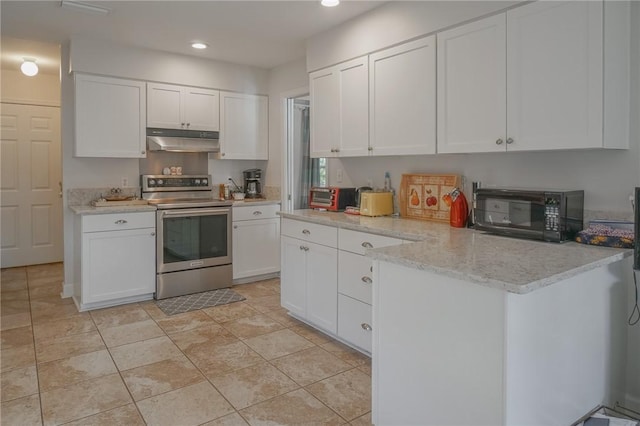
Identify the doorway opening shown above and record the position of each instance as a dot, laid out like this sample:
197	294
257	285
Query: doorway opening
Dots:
302	171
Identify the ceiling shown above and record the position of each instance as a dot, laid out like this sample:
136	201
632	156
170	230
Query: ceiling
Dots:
259	33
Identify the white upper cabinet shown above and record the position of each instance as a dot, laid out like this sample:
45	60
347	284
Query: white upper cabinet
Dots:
555	75
180	107
244	126
472	85
110	117
402	85
340	110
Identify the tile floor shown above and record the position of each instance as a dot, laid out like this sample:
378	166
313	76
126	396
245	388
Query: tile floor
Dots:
238	364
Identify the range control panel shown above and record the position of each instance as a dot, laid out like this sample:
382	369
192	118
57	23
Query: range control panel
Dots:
152	183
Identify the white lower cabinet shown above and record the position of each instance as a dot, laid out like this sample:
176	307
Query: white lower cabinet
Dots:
354	322
117	258
256	241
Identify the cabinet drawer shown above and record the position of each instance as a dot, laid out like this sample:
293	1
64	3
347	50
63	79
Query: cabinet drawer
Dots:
354	276
250	212
312	232
358	242
118	221
354	322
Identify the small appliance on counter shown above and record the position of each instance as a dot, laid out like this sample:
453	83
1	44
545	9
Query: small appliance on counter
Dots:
253	183
547	215
331	198
376	203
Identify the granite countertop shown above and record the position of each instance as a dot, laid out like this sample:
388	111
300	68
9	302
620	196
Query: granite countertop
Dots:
86	210
515	265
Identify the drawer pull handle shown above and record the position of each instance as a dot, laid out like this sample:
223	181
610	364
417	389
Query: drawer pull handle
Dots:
120	222
371	268
367	244
366	279
306	232
304	248
257	213
366	326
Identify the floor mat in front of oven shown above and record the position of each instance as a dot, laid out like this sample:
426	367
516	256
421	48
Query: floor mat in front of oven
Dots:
192	302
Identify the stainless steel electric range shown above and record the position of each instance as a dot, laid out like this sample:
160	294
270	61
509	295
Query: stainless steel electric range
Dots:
193	236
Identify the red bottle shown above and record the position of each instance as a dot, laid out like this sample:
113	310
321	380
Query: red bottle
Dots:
459	209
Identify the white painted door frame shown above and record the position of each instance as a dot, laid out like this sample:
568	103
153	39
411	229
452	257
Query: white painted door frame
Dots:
286	98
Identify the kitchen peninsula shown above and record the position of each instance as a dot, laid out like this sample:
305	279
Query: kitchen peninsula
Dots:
470	328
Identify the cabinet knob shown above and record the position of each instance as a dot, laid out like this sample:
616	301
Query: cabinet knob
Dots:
257	213
366	279
143	152
120	222
181	124
367	244
306	232
509	141
222	154
370	148
188	124
366	326
499	142
153	234
235	226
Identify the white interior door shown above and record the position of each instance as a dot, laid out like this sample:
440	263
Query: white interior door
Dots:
30	186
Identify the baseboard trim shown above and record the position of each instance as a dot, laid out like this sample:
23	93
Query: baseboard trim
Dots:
255	278
67	290
632	402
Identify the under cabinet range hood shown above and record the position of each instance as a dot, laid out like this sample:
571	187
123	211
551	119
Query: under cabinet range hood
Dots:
174	140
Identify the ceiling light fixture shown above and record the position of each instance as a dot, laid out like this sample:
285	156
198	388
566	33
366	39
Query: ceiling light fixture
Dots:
29	67
84	7
330	3
199	45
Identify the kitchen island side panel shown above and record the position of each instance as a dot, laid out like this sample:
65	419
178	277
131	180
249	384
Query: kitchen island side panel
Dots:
566	347
437	349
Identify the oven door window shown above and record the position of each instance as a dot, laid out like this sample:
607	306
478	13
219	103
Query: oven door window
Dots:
193	238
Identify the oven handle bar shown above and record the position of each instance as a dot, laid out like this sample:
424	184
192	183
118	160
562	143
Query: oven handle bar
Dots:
195	212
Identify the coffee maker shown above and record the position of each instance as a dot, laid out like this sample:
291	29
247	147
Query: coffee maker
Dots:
253	183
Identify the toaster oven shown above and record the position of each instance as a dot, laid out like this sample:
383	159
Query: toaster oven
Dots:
331	198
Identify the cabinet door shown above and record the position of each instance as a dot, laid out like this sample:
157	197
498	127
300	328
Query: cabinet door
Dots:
325	115
353	80
256	247
110	117
354	322
402	86
164	106
322	286
554	75
118	264
354	276
472	86
244	131
201	109
293	276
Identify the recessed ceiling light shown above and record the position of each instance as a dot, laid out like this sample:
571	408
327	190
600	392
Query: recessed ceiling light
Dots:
330	3
84	7
29	67
198	45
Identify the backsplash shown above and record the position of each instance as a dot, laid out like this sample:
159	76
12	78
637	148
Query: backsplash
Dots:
271	192
84	196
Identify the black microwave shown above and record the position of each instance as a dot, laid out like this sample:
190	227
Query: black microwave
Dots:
545	215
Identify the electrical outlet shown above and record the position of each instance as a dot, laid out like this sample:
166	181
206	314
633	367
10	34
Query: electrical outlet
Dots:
124	182
339	175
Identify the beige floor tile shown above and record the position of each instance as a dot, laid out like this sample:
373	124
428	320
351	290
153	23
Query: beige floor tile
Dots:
265	303
348	393
283	318
16	337
56	280
125	416
22	294
51	309
18	357
362	421
214	359
44	292
311	334
152	309
142	353
279	343
9	322
68	346
191	405
120	315
44	269
234	419
253	326
366	367
252	385
67	371
164	376
130	333
230	312
13	274
184	322
19	383
17	284
83	399
346	353
294	408
81	323
257	289
11	307
210	333
310	365
23	411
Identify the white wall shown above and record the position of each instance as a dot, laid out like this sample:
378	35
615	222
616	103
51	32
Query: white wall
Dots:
41	89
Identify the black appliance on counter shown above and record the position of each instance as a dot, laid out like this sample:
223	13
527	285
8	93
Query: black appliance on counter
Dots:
253	183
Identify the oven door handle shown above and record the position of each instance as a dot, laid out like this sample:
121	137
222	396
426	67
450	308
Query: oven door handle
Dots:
194	212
